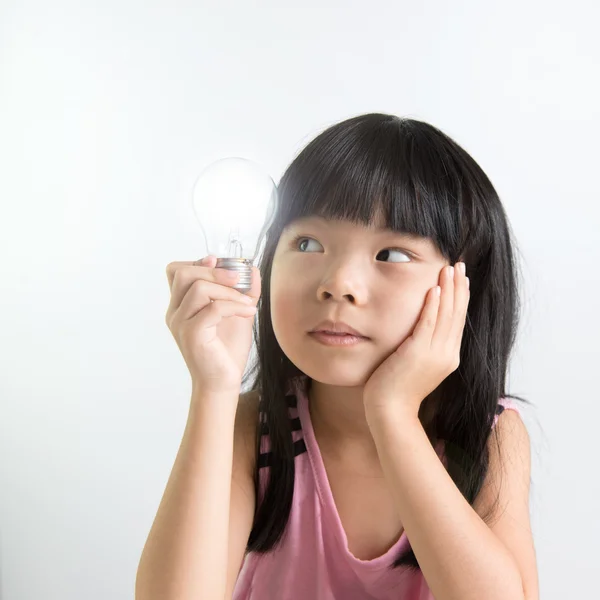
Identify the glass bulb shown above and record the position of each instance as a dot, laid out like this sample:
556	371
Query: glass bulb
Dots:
234	201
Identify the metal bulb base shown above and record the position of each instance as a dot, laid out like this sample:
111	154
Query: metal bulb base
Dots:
243	266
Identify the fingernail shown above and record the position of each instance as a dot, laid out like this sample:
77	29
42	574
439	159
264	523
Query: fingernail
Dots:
462	267
451	271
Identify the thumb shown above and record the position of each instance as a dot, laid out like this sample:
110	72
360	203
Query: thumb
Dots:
207	261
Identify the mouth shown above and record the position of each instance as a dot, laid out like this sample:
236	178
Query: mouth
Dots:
337	333
334	338
338	328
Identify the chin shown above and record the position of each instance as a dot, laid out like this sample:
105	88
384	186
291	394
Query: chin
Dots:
336	378
333	371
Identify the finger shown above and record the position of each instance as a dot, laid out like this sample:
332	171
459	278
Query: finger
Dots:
174	266
215	312
255	289
186	275
445	318
462	295
200	293
423	331
209	261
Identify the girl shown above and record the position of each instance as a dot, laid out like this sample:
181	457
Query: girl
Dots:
373	457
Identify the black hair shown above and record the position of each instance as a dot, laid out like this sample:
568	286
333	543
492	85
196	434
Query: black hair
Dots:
425	184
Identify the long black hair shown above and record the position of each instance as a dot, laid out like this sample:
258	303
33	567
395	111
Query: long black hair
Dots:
427	185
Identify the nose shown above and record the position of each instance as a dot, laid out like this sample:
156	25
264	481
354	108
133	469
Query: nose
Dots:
343	282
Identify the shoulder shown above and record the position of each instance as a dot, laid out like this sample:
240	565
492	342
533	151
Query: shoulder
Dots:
509	466
507	480
511	441
508	423
504	496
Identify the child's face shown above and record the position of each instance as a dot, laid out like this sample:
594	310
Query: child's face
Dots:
343	273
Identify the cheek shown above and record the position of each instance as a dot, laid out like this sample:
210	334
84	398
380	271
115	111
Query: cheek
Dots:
284	308
401	313
286	304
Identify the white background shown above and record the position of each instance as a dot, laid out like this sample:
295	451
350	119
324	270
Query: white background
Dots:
108	111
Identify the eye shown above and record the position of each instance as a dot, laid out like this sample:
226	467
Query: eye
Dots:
394	254
302	243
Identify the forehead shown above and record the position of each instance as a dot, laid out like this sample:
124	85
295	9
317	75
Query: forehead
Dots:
377	226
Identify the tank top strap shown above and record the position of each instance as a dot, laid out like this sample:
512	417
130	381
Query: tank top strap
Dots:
505	404
266	456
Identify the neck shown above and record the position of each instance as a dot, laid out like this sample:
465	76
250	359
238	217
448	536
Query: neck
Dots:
339	422
338	419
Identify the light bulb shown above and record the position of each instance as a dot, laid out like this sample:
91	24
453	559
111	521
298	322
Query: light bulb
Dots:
234	201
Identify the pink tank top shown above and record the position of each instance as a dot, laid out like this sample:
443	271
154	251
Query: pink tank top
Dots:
313	561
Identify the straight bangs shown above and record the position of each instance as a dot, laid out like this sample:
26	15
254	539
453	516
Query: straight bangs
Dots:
359	170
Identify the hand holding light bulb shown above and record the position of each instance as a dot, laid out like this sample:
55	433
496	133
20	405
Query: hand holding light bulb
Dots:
213	301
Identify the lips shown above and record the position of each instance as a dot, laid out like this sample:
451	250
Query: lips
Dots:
332	333
337	328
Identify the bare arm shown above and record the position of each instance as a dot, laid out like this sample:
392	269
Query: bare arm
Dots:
461	556
190	552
